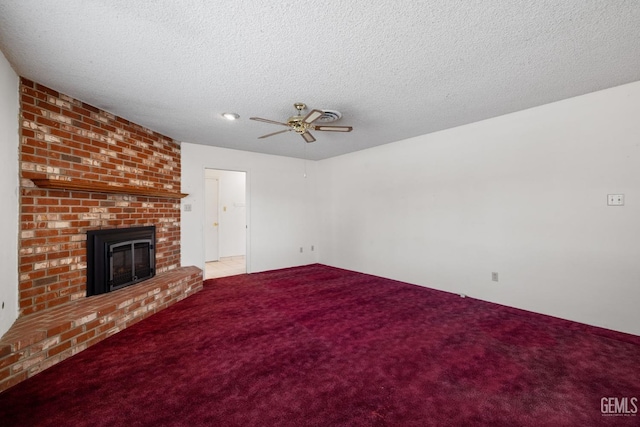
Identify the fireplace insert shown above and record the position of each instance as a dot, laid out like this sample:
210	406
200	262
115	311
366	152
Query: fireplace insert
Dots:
119	257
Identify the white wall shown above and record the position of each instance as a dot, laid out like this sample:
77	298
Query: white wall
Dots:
9	113
280	206
523	195
232	211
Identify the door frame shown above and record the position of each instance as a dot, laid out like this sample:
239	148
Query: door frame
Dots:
207	202
247	198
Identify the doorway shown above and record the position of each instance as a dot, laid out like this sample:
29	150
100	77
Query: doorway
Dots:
225	223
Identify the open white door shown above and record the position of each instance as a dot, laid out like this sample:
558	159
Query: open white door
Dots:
211	226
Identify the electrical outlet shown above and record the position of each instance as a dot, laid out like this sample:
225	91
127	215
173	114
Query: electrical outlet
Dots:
312	248
494	276
301	249
187	207
615	199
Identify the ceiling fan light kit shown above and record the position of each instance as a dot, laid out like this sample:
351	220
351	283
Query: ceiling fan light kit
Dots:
303	124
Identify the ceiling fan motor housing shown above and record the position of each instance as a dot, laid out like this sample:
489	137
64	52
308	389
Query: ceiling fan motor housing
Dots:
297	124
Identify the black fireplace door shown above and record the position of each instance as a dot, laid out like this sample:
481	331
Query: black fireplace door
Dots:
119	257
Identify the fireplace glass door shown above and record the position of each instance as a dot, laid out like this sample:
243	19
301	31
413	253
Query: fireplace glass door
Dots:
129	263
119	257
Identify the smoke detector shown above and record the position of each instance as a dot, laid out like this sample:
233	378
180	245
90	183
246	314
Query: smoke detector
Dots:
329	116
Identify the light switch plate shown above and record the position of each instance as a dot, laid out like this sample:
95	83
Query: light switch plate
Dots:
615	199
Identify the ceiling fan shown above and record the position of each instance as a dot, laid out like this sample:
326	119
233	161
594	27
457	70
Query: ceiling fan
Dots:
303	124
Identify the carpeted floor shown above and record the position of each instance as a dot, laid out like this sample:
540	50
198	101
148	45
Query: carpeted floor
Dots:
320	346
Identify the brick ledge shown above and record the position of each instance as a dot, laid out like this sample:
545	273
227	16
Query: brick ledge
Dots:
40	340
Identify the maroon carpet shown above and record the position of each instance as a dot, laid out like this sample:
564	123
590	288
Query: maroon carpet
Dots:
319	346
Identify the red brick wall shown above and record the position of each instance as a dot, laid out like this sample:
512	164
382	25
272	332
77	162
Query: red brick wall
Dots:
63	138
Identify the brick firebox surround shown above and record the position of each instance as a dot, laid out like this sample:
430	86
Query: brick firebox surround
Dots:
84	169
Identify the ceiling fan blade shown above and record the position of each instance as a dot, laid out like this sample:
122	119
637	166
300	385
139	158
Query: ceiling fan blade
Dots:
267	121
308	137
334	128
275	133
312	116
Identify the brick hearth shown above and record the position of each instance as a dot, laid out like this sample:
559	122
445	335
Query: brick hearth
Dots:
38	341
82	168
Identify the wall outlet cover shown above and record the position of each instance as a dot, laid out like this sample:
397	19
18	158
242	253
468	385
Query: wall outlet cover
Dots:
615	199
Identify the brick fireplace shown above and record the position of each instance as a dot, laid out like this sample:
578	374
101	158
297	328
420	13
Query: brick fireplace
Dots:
69	141
85	169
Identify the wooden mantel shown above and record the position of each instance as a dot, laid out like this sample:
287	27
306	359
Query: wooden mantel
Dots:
100	187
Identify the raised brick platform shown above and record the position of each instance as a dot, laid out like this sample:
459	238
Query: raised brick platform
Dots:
38	341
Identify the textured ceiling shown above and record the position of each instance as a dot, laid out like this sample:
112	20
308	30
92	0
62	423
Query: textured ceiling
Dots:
394	69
